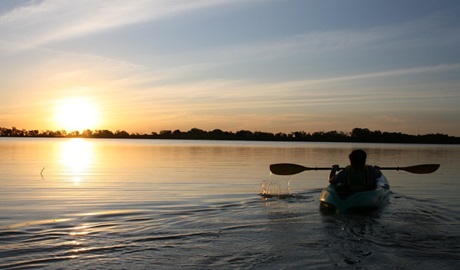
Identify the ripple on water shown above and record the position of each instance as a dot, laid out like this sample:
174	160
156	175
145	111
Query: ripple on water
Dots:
255	232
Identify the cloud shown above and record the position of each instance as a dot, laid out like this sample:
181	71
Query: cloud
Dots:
51	20
330	50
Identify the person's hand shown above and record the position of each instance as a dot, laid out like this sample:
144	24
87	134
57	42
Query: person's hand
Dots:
335	167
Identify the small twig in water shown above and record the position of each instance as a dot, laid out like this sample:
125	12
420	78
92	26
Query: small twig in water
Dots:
41	173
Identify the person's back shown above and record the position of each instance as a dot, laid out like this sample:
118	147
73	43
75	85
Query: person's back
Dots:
358	176
358	180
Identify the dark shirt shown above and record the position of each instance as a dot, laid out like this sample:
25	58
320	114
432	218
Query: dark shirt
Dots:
341	177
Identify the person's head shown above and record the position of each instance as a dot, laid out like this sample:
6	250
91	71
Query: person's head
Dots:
357	158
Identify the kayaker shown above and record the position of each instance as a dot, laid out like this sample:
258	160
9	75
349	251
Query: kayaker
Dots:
357	176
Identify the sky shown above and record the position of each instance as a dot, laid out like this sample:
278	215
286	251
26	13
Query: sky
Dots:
259	65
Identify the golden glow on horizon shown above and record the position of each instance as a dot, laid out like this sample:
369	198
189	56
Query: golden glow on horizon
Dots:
76	114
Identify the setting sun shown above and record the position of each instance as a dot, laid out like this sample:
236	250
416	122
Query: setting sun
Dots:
75	114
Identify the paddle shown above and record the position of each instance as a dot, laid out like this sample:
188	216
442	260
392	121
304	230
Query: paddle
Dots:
290	169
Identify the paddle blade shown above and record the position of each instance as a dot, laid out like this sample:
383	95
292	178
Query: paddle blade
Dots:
421	169
286	168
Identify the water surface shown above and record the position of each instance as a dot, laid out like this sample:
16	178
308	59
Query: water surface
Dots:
153	204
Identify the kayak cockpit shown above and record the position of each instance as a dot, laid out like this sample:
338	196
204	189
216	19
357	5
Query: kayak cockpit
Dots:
336	199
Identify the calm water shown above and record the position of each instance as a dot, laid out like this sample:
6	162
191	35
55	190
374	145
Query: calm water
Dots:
158	204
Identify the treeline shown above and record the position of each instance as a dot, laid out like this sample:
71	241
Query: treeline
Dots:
356	135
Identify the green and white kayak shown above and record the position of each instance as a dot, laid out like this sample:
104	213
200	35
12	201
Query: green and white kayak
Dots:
334	199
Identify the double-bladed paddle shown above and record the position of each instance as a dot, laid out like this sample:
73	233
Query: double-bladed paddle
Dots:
290	169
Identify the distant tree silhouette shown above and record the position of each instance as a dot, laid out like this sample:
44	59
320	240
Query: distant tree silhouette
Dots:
121	134
244	135
356	135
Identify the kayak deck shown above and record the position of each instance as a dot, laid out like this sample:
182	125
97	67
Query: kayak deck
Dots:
332	200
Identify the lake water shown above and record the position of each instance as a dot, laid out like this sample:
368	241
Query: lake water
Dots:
165	204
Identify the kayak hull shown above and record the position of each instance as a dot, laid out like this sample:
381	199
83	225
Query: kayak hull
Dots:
332	200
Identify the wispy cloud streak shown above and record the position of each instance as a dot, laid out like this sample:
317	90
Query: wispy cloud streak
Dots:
52	20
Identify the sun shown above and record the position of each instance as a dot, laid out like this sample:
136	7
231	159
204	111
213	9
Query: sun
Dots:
76	114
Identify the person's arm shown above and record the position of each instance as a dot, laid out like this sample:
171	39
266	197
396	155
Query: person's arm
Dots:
377	172
334	170
374	174
377	169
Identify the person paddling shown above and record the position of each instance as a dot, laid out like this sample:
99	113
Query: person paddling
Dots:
357	176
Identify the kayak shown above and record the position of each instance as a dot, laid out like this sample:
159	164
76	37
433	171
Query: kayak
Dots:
334	199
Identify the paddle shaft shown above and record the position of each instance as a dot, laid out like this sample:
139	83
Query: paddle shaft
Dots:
380	168
290	169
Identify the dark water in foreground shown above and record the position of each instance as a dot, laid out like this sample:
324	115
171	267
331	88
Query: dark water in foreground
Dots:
143	204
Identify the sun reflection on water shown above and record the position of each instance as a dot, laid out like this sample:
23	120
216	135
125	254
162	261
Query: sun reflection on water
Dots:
77	155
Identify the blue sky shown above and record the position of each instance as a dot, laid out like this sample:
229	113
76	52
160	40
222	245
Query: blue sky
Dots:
269	65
